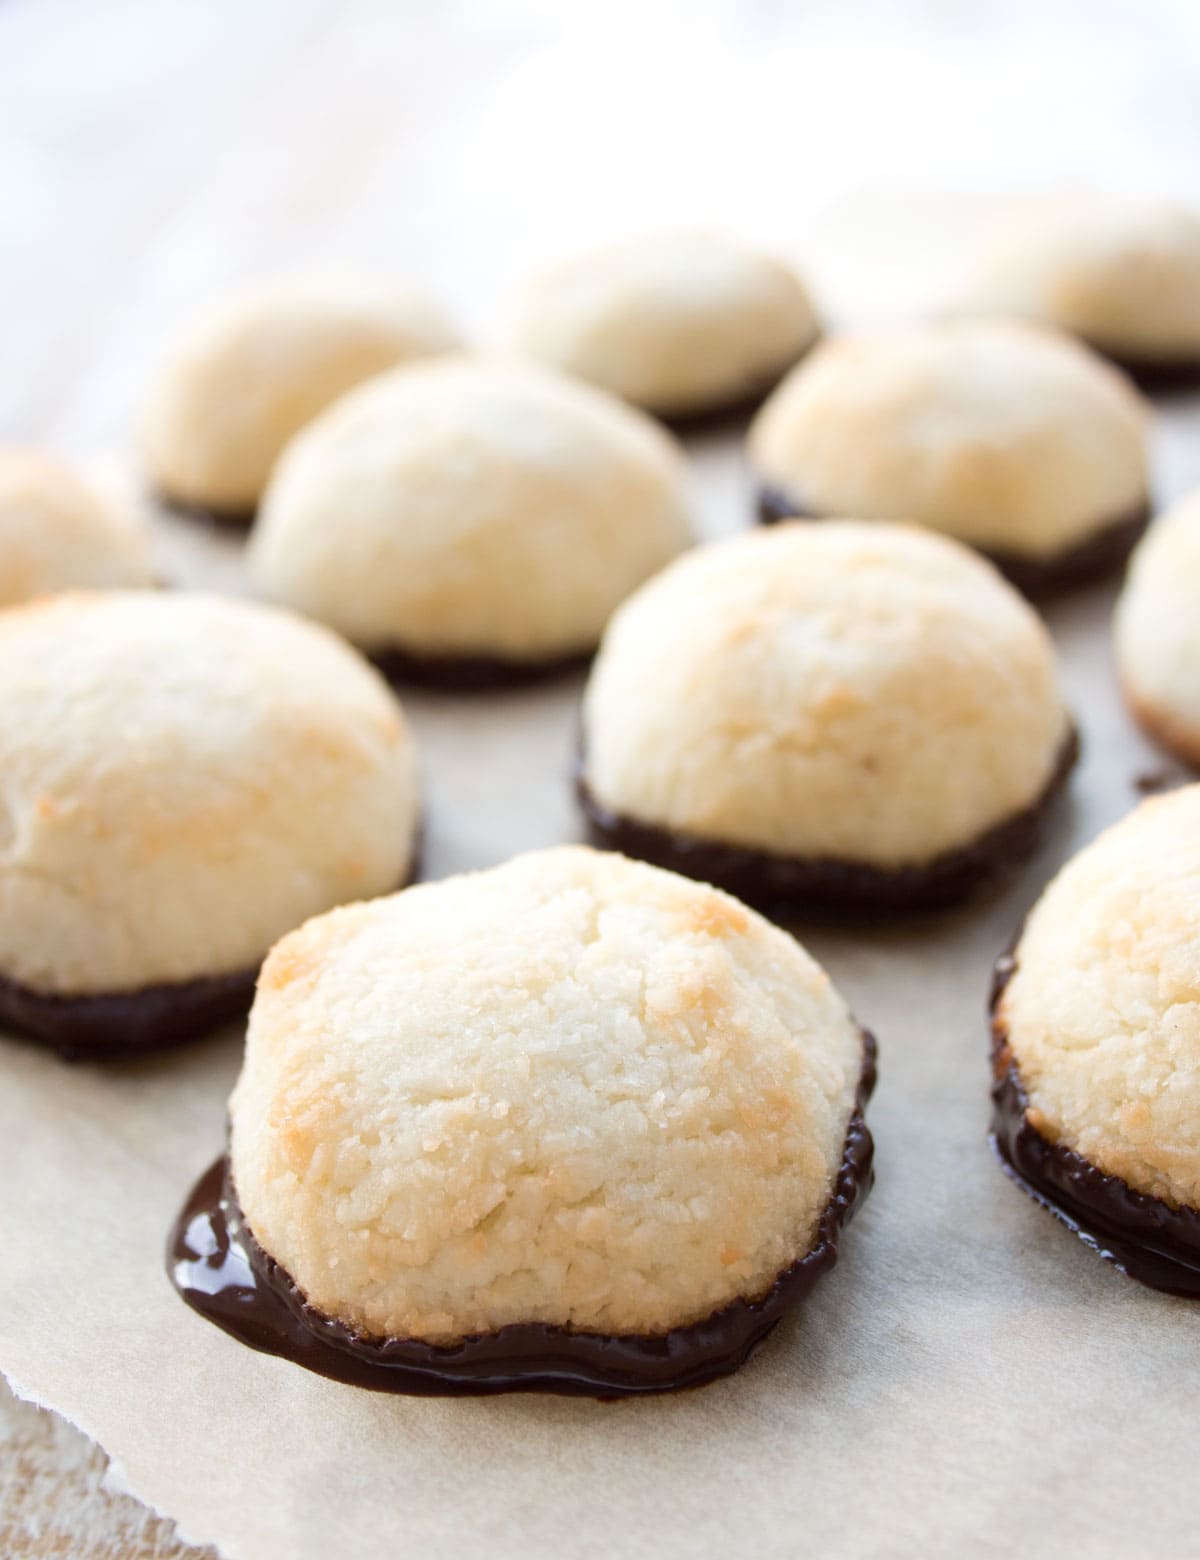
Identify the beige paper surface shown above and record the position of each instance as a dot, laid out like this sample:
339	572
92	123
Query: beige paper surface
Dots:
969	1381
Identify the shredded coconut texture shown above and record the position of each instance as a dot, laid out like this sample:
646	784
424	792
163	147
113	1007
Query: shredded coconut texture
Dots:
573	1090
1158	630
471	507
1008	436
1103	1013
868	692
182	779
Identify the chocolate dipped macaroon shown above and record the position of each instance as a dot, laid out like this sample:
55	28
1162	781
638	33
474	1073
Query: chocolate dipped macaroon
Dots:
254	369
602	1152
185	778
1010	437
1096	1046
59	532
1123	275
683	325
471	522
1157	632
853	716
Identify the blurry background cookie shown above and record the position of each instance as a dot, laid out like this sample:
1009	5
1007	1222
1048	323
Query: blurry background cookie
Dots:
851	715
185	778
680	324
1157	631
1122	274
470	521
250	372
633	1111
1011	437
58	532
1096	1045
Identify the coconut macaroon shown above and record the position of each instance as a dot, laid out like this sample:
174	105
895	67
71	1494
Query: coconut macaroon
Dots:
57	532
470	521
1124	275
1158	631
1096	1035
602	1154
845	716
1010	437
252	371
680	324
185	778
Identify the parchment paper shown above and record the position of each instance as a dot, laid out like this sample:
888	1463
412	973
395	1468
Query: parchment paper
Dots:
969	1381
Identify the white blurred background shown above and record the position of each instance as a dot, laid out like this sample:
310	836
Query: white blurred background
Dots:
155	150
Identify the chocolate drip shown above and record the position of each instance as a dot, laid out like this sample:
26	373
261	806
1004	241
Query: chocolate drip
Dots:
221	1271
1091	559
1143	1236
794	885
127	1023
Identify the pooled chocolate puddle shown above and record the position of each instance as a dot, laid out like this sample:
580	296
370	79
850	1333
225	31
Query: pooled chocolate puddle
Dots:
1088	560
126	1023
1143	1236
791	885
221	1271
472	673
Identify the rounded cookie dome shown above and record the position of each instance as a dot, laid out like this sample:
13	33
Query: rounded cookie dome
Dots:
186	778
1124	275
676	323
1097	1035
57	533
1158	631
1007	436
252	371
470	511
625	1112
845	713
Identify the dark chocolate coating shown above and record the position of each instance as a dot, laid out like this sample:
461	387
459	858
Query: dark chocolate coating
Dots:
730	415
117	1024
472	673
202	514
221	1271
1143	1236
126	1023
1092	559
1162	374
788	886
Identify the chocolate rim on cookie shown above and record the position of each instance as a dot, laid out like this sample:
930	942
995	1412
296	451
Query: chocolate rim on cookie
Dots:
473	673
220	1270
119	1025
1161	375
1099	555
127	1023
216	519
1143	1236
795	884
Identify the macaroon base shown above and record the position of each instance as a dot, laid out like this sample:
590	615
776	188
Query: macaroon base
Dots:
1098	556
126	1023
215	518
471	673
796	886
1144	1237
222	1272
